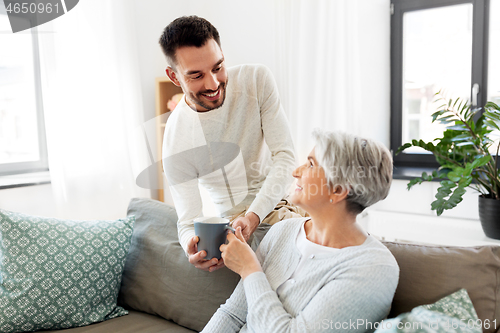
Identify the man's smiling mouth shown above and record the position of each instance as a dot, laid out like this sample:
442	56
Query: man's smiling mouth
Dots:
212	96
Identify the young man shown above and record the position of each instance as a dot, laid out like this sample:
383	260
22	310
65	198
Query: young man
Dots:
229	134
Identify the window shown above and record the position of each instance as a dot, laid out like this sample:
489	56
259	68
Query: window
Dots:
438	45
22	134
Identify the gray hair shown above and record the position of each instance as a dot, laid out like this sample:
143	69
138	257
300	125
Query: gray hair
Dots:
361	165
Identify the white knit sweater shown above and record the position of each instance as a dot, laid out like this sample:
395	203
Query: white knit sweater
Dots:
348	291
241	153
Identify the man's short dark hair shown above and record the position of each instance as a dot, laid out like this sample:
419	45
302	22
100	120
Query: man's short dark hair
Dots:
186	31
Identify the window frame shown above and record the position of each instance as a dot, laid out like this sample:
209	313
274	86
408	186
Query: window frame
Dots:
42	164
408	166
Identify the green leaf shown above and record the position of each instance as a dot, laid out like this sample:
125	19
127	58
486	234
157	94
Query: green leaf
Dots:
464	182
437	114
467	143
491	105
467	170
422	144
453	176
441	204
492	116
438	206
444	169
466	111
443	192
461	137
403	147
414	182
478	162
445	188
456	197
440	173
457	127
425	177
447	119
447	184
492	124
437	203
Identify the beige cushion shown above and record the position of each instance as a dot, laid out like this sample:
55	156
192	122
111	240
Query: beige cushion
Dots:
429	273
158	278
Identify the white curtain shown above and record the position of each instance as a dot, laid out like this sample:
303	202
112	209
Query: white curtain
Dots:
93	108
333	67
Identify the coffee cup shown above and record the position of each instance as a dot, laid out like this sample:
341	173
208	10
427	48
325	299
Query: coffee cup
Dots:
211	232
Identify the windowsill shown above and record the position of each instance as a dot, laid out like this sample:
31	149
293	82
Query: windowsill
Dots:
425	229
25	179
409	173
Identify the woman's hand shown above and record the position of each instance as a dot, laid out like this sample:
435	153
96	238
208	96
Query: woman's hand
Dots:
238	255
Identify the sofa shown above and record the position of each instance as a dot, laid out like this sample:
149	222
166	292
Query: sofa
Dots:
162	292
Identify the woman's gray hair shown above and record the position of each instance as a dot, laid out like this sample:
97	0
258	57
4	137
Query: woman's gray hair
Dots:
361	165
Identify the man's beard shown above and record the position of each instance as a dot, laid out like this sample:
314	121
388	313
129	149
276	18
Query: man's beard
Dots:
199	98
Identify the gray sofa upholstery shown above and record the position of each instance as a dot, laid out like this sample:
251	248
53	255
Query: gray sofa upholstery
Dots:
134	322
164	293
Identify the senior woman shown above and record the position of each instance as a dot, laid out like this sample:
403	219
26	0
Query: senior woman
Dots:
323	272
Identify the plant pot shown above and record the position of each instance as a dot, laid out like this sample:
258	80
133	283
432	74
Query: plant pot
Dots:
489	215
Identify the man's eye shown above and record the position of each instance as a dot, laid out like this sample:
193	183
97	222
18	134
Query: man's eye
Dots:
217	69
310	164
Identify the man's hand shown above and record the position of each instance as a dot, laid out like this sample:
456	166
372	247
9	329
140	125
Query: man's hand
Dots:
197	258
248	224
238	255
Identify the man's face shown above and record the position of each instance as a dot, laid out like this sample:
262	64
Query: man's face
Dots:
201	73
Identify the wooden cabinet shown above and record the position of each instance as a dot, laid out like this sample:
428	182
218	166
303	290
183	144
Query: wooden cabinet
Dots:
165	89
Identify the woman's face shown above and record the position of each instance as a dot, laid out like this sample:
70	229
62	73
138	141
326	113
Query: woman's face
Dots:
312	190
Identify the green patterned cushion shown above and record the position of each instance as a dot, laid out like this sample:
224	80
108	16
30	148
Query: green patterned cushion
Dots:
60	273
453	313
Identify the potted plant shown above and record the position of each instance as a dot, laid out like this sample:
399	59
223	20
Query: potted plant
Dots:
468	157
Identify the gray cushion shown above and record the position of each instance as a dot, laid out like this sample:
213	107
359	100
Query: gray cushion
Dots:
429	273
158	278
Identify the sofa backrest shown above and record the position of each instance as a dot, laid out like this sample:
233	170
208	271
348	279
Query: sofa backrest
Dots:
429	273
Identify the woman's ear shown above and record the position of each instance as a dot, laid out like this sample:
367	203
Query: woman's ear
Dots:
172	76
339	193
